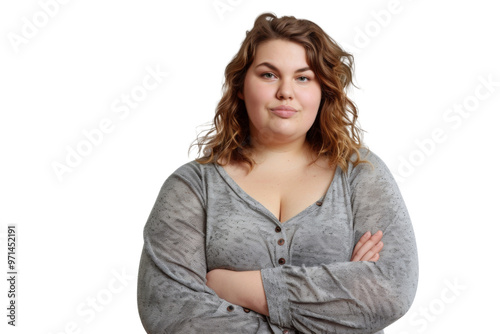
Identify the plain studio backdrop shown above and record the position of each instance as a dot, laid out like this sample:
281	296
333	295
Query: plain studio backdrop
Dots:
100	101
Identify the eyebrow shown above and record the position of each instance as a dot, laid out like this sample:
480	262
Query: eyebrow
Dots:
274	68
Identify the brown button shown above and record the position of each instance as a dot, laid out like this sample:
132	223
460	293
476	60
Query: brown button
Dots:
318	203
246	310
277	229
281	242
230	308
281	261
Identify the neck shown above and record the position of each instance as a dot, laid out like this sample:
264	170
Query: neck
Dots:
280	152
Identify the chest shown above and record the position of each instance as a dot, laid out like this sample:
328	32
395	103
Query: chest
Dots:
243	234
286	193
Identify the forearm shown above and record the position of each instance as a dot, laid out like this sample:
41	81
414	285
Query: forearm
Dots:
349	297
243	288
246	289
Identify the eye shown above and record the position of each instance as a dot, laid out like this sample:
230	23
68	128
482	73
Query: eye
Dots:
303	79
268	75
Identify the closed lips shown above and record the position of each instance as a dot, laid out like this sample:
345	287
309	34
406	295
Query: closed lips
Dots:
284	108
284	111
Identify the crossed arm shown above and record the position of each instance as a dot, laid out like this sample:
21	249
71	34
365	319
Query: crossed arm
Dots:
175	293
245	288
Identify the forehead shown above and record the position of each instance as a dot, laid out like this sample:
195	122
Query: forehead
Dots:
281	53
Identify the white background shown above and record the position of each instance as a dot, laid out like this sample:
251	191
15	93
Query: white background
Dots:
415	60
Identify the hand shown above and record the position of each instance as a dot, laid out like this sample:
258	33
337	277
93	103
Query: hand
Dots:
243	288
368	247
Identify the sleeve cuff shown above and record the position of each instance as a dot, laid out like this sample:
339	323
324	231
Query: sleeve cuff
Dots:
277	296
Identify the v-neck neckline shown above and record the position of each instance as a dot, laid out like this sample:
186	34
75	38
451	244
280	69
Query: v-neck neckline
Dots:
249	199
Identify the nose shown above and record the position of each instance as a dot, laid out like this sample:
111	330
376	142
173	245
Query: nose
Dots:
285	90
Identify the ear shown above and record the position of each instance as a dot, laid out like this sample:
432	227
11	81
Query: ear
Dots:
241	96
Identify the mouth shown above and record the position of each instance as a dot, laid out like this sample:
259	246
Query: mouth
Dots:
284	111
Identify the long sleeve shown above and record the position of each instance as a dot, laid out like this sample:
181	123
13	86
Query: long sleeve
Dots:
172	294
353	297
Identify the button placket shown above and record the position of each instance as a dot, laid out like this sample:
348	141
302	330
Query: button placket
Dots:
281	251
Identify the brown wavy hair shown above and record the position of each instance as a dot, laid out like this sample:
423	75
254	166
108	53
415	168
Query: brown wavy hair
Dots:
334	133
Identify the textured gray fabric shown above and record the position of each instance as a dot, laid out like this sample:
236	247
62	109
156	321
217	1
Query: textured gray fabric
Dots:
203	220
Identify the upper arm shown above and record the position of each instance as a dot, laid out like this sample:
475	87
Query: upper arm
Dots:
377	204
353	297
172	294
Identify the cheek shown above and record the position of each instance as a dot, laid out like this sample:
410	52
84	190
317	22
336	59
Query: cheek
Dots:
312	100
253	101
312	103
257	97
256	93
315	96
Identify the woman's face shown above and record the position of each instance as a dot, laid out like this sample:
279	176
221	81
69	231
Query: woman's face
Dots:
280	79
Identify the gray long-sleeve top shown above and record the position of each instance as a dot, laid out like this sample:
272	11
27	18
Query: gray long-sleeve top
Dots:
203	220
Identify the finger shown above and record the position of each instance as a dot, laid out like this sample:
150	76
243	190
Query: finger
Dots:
367	246
364	238
375	258
374	250
359	255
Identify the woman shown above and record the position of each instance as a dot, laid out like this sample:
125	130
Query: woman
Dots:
259	235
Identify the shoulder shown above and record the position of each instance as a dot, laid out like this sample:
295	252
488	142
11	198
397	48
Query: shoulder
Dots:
374	169
194	173
191	171
192	177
